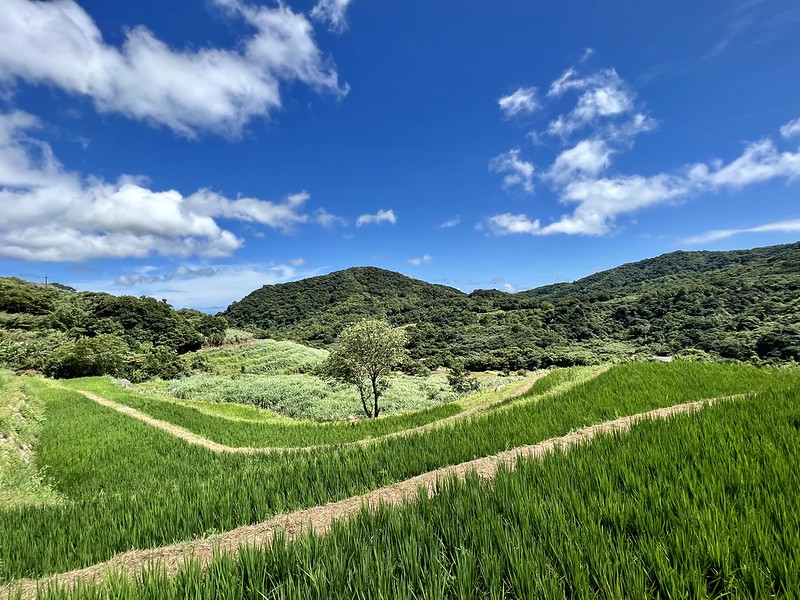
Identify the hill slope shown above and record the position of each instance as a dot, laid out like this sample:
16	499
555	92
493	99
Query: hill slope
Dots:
316	309
62	332
743	304
670	267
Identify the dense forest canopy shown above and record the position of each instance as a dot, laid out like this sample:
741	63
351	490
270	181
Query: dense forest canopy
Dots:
742	305
62	332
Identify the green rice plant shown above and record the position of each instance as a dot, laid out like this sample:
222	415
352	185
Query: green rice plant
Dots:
129	485
697	506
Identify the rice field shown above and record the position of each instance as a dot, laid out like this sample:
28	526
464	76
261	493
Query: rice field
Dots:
701	506
127	485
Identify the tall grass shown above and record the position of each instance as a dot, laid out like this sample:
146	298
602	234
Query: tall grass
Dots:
267	432
304	396
130	486
702	506
21	417
263	357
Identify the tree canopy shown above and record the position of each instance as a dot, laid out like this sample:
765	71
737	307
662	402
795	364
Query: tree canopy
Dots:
365	353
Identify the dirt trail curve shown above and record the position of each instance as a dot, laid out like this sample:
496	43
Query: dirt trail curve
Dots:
198	440
321	518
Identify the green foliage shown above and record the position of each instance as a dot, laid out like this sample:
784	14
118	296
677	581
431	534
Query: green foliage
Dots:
366	352
460	380
100	355
155	362
41	325
212	328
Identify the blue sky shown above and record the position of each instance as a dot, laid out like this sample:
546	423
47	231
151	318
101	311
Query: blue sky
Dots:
195	151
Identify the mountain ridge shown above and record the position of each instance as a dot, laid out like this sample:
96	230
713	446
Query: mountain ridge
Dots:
734	304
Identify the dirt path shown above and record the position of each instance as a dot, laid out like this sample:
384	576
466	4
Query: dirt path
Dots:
198	440
321	518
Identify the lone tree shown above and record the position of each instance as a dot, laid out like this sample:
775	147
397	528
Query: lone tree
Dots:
365	353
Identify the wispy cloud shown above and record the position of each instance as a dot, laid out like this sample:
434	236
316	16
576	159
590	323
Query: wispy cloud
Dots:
420	260
790	226
791	129
328	220
754	22
209	89
518	172
521	102
332	12
182	272
455	221
382	216
201	289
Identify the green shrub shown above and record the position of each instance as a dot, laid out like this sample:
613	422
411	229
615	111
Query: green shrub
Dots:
101	355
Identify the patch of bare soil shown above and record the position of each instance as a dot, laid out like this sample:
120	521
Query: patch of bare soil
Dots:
320	519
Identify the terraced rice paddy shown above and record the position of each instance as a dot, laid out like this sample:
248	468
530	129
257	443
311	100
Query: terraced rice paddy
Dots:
699	506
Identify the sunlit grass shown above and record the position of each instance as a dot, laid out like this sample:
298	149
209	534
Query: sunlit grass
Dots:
131	486
700	506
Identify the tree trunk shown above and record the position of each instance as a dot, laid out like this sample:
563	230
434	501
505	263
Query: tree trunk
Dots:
363	393
375	393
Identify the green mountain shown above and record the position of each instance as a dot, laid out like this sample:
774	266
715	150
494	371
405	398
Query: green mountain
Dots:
741	305
668	268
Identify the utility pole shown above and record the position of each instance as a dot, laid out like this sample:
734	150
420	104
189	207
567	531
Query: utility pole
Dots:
45	281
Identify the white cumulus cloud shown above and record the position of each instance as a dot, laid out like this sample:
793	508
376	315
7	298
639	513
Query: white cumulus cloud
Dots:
587	157
188	90
601	200
578	175
50	214
604	95
382	216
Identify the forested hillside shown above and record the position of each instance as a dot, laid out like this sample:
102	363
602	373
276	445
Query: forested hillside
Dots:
64	333
742	305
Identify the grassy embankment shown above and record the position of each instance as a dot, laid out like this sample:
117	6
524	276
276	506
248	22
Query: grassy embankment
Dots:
21	417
